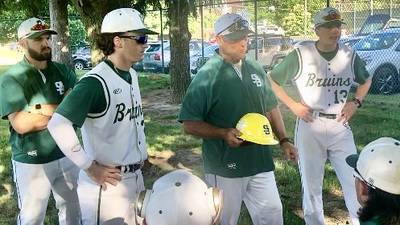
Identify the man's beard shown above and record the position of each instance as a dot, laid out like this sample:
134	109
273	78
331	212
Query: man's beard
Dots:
39	56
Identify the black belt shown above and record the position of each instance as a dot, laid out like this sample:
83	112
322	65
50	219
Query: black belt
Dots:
131	168
327	115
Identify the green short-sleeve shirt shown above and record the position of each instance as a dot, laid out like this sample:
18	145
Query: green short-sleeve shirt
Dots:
87	97
218	96
289	67
373	221
23	86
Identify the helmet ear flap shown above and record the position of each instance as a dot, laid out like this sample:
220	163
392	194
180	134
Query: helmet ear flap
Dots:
217	203
141	203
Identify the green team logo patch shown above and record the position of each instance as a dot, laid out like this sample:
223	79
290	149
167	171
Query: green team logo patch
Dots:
59	87
256	80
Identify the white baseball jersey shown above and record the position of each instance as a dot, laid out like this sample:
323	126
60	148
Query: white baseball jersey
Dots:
116	135
323	85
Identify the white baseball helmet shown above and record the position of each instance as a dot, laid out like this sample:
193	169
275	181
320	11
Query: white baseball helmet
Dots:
180	198
379	164
124	20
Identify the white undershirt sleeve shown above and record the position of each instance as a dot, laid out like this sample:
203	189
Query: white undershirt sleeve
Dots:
63	133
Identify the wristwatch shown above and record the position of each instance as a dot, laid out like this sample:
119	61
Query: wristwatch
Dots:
357	102
285	139
37	109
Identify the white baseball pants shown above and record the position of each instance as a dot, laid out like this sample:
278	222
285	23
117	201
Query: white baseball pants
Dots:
259	193
35	182
113	206
318	141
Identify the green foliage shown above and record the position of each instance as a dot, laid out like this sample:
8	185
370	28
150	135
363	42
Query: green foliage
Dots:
77	32
9	25
153	22
293	23
29	8
209	18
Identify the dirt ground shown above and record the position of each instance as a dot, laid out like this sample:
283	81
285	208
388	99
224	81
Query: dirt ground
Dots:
158	102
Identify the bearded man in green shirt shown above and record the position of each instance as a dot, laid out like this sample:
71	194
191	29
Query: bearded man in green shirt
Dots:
30	91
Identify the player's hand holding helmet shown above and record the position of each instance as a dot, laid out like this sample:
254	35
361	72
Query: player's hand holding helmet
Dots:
180	198
255	127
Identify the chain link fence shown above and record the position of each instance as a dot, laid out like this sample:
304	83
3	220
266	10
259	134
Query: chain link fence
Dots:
372	29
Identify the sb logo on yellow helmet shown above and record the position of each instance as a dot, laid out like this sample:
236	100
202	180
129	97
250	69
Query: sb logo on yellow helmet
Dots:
266	129
255	127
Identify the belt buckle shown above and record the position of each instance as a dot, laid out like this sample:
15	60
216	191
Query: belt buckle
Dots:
131	168
327	115
315	114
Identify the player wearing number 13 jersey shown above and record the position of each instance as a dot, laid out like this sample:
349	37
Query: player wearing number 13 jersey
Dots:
323	73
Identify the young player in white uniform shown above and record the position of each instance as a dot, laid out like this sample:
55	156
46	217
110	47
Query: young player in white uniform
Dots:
106	103
323	72
29	93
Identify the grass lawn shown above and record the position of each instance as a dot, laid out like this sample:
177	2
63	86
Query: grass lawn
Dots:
170	148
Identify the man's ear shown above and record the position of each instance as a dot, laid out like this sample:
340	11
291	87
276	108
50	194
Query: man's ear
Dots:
363	192
117	42
23	43
316	30
219	39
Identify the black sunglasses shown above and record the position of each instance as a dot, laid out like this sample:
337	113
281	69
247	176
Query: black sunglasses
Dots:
332	24
237	26
139	39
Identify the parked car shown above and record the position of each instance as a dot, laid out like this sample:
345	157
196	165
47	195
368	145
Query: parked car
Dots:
197	60
372	24
82	58
153	59
152	46
270	29
273	29
267	47
381	53
276	59
297	44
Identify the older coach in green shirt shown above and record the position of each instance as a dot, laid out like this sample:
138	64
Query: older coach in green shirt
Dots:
227	87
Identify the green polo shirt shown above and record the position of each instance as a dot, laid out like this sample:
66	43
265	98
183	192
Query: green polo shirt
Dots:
23	86
288	68
88	97
218	96
373	221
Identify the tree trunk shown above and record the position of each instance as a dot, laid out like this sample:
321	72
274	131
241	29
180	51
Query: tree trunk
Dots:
59	22
179	37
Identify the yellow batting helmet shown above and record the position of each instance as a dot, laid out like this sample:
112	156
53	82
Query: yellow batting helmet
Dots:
256	128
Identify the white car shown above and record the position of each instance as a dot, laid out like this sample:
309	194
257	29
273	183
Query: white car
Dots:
297	44
197	60
381	53
153	58
270	29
